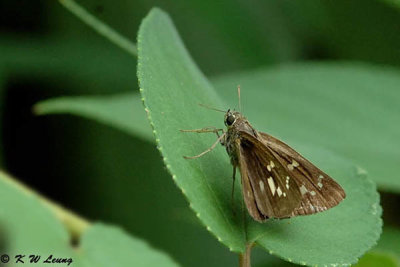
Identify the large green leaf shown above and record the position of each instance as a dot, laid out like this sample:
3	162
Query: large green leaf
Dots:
350	109
172	86
28	226
166	68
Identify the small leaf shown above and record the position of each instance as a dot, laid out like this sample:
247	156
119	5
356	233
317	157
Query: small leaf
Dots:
172	86
122	111
106	246
45	235
27	226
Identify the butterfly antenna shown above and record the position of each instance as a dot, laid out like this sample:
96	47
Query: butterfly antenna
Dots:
208	107
240	103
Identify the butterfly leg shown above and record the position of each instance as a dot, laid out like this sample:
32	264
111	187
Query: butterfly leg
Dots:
220	138
204	130
233	189
210	129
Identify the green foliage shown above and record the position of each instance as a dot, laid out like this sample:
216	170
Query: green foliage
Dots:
1	112
45	235
389	241
378	259
172	86
56	62
106	246
361	106
394	3
346	105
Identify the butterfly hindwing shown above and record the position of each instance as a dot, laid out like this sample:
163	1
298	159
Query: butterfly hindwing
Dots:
248	193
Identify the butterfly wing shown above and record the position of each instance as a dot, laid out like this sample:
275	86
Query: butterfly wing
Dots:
248	192
319	191
269	191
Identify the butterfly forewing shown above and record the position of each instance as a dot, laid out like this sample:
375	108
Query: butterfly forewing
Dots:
319	191
276	194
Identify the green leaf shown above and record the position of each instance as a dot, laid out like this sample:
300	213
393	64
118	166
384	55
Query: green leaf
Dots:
122	111
351	109
2	87
106	246
389	241
45	235
172	86
177	86
378	259
386	252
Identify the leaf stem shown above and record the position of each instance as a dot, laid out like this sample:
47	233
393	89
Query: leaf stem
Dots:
75	224
244	258
99	26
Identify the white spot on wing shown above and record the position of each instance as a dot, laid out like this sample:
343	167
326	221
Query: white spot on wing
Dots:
272	164
303	189
279	191
313	193
320	185
271	185
295	163
290	167
269	168
284	194
320	177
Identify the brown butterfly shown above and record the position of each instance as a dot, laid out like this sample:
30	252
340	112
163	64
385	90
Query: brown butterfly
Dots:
277	182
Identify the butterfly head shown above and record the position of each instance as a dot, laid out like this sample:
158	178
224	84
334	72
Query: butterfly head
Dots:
231	117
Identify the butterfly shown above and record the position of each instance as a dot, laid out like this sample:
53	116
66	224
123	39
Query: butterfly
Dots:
277	182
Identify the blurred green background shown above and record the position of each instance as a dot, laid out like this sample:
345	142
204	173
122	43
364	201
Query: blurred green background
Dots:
104	174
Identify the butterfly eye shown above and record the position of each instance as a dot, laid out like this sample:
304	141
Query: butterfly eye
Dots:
230	119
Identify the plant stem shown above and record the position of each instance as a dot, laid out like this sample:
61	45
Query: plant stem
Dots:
100	27
74	224
244	259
